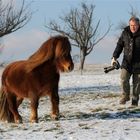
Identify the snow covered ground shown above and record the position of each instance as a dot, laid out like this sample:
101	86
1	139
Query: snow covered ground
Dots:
89	109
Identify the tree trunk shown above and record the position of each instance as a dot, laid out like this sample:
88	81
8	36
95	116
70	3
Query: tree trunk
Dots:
82	59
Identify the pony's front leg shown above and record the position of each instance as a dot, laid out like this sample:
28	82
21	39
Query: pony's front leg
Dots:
55	106
34	107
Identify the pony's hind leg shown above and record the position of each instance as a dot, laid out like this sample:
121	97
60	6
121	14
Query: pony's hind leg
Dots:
11	99
34	113
19	101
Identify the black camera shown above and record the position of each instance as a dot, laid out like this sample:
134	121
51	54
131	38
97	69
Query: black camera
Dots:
116	66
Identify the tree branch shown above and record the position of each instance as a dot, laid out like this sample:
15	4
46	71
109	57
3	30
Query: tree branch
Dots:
12	20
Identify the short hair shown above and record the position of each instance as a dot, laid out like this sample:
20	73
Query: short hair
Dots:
134	19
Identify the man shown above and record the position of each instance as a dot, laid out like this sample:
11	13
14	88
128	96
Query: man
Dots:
129	43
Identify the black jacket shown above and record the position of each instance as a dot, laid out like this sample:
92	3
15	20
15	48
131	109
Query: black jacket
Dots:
130	45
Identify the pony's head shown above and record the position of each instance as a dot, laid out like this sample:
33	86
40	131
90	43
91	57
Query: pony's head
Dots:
63	58
57	50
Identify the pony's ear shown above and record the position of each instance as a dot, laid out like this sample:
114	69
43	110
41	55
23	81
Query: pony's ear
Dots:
45	52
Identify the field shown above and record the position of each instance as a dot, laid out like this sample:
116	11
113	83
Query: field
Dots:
89	110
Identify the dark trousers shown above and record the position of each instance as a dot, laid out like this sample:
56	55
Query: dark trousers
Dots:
125	84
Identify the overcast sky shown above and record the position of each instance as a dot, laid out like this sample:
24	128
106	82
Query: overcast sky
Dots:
24	42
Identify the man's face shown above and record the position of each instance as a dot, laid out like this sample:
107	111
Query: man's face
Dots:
133	26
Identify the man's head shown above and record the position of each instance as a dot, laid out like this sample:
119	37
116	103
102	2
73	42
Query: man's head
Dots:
134	24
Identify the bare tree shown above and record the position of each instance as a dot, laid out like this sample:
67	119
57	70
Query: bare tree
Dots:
12	19
1	48
80	29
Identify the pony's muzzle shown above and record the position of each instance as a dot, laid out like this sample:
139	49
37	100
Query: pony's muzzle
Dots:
71	67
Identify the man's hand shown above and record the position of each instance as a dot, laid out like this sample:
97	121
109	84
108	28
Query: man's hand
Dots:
113	60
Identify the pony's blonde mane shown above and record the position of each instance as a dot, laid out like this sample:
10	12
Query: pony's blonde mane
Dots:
47	52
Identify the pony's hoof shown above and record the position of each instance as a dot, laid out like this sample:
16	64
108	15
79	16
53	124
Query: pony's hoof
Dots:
18	121
54	117
34	121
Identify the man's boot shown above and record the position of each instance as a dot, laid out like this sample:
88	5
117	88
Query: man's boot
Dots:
124	99
135	101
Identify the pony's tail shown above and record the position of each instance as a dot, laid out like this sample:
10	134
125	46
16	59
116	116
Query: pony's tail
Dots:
5	113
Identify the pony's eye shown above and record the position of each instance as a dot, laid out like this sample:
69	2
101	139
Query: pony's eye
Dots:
66	55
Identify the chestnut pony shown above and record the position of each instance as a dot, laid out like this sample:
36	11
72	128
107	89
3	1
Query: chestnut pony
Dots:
35	77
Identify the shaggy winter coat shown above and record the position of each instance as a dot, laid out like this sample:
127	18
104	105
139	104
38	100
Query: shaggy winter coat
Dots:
129	43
